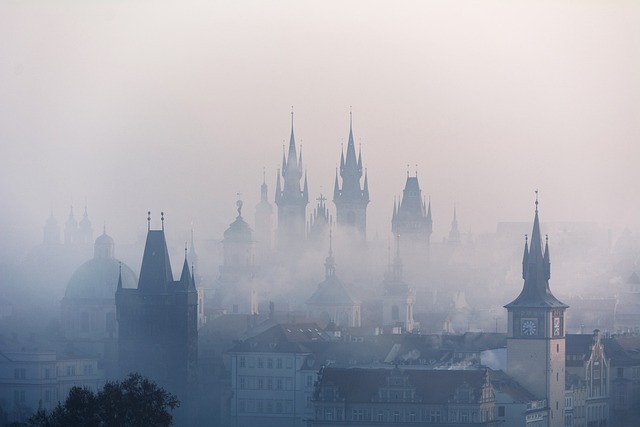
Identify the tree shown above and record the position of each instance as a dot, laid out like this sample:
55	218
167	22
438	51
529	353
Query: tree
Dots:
134	402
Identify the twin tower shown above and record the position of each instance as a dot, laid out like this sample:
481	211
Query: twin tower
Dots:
292	196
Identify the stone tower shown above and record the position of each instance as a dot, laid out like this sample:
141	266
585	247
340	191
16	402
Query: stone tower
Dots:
412	216
351	199
291	200
157	321
536	330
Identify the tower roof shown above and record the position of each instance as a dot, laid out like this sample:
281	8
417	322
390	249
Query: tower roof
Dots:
351	173
155	272
536	272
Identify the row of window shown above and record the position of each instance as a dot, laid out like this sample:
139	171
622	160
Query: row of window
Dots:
69	370
404	415
268	362
265	406
264	383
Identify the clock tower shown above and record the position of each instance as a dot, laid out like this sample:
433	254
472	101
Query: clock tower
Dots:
536	330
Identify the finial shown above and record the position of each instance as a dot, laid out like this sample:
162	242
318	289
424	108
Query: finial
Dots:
104	228
536	200
239	205
546	239
407	170
149	220
416	170
185	250
292	116
526	238
264	175
350	117
162	219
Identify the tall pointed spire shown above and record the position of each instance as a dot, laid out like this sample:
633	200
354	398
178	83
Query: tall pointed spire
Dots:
536	272
351	198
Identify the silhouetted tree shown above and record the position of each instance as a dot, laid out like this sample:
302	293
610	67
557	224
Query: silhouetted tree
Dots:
134	402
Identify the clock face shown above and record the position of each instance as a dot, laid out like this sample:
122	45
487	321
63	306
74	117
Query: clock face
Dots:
556	326
529	327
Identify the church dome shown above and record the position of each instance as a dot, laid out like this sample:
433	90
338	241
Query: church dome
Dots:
239	230
98	279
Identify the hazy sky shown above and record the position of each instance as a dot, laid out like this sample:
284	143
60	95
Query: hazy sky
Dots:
177	106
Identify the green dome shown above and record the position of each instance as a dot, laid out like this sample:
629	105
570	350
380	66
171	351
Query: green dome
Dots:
98	279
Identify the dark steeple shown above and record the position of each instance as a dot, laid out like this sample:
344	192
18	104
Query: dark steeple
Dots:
155	272
536	272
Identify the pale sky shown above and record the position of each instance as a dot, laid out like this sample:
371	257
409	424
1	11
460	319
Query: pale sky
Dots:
177	106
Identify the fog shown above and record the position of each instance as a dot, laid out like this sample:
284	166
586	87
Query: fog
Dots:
127	107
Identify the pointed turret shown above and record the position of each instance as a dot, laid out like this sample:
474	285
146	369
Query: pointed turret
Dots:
305	190
525	257
186	279
336	187
119	288
547	260
70	229
278	187
365	190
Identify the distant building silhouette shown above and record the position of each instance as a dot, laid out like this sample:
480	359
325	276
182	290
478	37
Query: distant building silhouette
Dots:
291	200
331	302
412	216
398	298
264	225
351	199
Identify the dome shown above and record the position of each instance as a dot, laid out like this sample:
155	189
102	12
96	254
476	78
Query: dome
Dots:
98	278
104	240
331	292
239	230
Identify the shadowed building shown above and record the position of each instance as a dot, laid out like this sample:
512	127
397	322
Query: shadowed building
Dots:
157	321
